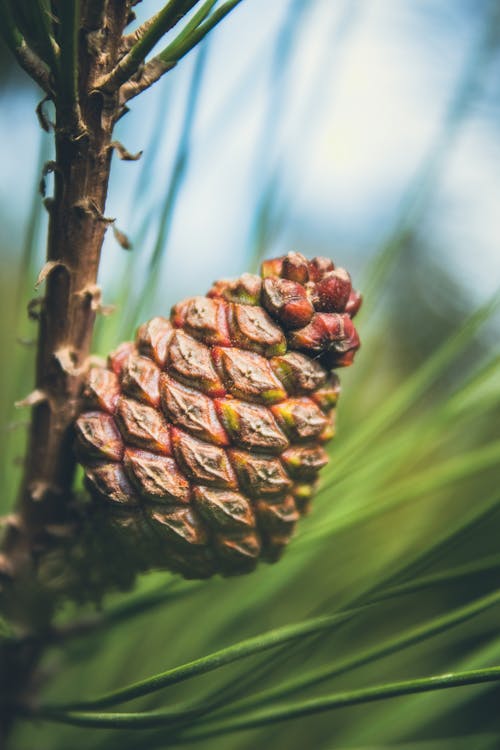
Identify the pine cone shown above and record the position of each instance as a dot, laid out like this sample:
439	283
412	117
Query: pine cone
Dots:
204	438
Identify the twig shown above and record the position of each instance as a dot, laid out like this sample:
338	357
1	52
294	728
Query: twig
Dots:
189	37
145	37
151	73
44	39
135	36
28	60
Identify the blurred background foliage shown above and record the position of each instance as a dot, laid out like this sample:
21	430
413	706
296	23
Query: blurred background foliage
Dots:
367	131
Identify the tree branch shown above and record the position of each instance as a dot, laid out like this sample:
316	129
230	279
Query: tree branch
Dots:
34	66
27	59
151	72
191	35
75	237
145	37
44	35
184	6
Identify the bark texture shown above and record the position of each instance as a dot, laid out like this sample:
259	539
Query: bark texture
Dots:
76	232
83	137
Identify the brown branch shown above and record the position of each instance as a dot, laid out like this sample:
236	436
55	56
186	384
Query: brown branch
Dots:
67	312
202	22
66	316
26	57
178	11
150	73
135	36
143	40
76	231
34	66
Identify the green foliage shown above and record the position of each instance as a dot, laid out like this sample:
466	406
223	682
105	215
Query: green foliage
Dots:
395	564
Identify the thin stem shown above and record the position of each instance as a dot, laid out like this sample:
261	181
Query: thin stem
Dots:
213	661
436	478
189	37
393	645
28	60
484	566
147	36
50	46
35	23
179	10
195	31
379	692
188	29
288	711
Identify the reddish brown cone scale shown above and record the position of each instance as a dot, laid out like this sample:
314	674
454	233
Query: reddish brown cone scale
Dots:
204	437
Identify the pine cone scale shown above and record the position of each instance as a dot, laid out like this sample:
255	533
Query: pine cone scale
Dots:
208	430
